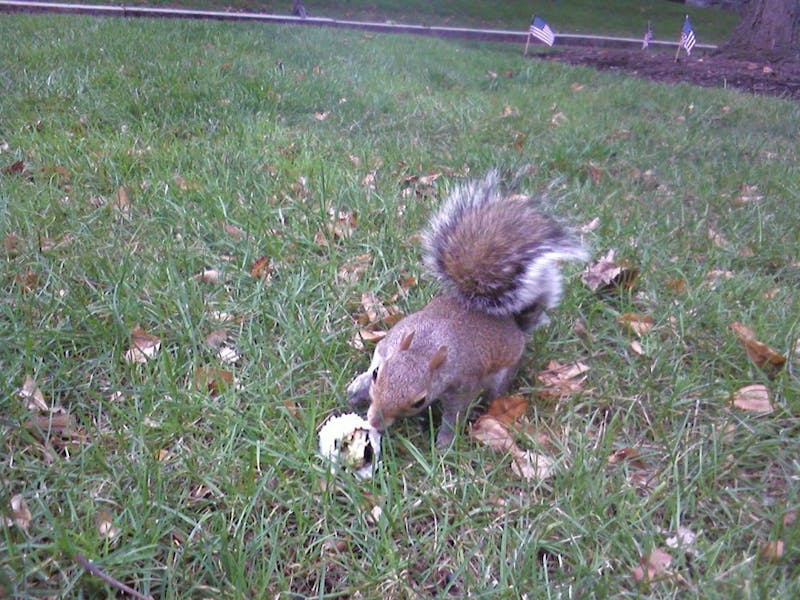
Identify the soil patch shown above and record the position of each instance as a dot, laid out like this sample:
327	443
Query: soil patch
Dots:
781	79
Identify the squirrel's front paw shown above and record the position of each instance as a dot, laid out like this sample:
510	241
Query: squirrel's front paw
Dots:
358	389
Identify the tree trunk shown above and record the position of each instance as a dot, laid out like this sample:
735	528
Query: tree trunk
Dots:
769	29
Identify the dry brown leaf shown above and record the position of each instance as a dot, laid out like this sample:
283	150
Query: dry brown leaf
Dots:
653	566
508	409
629	455
12	245
422	186
262	268
343	223
369	180
105	525
762	355
490	431
353	270
201	492
236	233
228	355
122	205
773	551
212	379
21	515
143	346
717	238
217	338
291	407
61	430
561	380
558	118
212	276
33	396
748	194
677	285
753	398
606	274
636	323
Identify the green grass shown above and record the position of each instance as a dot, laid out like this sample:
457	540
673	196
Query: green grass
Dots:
617	17
221	495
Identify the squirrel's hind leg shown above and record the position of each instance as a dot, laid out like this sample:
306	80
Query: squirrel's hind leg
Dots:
497	384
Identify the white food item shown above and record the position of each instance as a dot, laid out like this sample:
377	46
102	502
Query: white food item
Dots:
349	440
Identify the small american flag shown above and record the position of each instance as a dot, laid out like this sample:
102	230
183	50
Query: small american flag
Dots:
648	36
541	31
687	36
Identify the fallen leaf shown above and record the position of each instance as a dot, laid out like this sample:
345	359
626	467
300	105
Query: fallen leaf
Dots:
105	525
33	395
17	168
606	274
684	539
228	355
717	238
201	492
343	223
636	323
369	180
217	338
628	454
143	346
262	268
508	409
353	270
236	233
209	276
748	194
558	118
12	244
321	115
762	355
753	398
560	380
61	430
528	465
122	205
653	566
21	515
213	380
677	285
773	551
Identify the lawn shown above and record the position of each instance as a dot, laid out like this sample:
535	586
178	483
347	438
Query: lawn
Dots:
190	215
617	17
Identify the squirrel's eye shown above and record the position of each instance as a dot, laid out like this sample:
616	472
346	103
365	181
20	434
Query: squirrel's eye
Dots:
419	403
374	373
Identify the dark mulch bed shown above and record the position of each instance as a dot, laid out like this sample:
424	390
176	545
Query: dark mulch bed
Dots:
773	79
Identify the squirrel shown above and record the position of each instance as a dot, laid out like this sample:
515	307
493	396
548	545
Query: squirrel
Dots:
497	258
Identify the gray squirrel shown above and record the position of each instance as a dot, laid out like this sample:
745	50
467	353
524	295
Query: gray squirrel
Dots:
497	258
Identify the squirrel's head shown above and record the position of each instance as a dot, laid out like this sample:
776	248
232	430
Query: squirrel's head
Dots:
401	384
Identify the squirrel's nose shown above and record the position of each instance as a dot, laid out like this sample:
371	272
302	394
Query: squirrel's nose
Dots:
377	419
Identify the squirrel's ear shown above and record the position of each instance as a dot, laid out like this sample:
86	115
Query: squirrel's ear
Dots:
405	343
437	360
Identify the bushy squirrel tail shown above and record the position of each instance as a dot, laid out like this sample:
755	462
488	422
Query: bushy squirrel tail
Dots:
498	253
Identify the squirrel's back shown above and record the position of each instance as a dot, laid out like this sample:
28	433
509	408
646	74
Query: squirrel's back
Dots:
497	252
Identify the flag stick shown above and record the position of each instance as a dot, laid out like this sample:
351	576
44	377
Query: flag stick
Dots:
527	41
678	52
